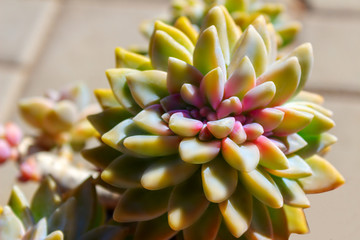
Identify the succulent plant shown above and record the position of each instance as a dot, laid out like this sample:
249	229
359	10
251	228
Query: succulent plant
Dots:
60	117
214	137
62	130
51	215
243	12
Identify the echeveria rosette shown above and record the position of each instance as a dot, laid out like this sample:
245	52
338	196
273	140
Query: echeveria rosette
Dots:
216	140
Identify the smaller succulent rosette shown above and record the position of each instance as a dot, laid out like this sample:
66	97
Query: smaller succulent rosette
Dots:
60	117
244	12
53	215
215	138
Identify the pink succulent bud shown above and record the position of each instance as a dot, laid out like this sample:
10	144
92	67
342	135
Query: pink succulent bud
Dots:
5	151
29	171
13	134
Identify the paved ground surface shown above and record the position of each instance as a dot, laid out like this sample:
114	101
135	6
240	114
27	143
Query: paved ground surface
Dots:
49	43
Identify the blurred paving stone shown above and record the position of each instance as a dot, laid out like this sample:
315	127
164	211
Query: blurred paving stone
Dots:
19	23
82	45
335	215
336	48
336	4
11	78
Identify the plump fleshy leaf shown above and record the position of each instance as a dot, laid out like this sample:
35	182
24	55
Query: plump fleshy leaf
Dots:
221	128
100	156
263	187
316	144
208	54
259	96
293	121
156	229
147	87
292	193
120	88
141	205
260	227
45	200
115	136
107	119
153	146
279	223
229	106
298	168
237	211
63	219
215	17
251	45
320	123
56	235
127	59
192	150
175	33
164	46
324	178
106	232
150	120
34	110
207	227
293	142
238	134
219	180
183	126
286	77
253	131
106	98
166	172
268	118
125	171
241	80
187	203
296	220
212	87
10	225
20	207
243	157
179	73
270	155
304	53
60	118
185	25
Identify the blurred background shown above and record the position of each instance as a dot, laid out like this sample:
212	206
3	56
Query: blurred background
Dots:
51	43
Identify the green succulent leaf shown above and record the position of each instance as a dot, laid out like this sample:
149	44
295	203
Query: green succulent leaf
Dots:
45	200
207	227
107	119
141	205
106	98
156	229
127	59
147	87
186	204
208	54
219	180
100	156
20	207
237	211
263	187
120	88
165	172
